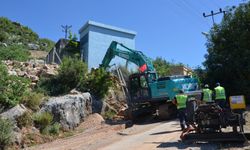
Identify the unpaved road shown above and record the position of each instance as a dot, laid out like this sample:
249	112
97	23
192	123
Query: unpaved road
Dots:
147	135
164	135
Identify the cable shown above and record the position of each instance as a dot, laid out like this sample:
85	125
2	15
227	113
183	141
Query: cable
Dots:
195	11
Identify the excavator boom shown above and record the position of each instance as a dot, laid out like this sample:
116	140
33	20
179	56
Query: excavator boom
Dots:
134	56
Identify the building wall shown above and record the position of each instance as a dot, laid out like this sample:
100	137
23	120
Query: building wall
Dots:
180	70
95	41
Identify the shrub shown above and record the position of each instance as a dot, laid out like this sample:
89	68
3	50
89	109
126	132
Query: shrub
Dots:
52	129
6	128
97	82
42	120
24	120
46	44
14	52
32	100
71	72
12	88
13	32
109	114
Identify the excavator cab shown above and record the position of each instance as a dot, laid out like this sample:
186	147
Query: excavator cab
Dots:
139	87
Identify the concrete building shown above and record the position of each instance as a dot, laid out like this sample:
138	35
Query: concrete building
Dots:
180	70
95	39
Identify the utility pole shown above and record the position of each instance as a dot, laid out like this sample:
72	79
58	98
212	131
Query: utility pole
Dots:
66	30
213	14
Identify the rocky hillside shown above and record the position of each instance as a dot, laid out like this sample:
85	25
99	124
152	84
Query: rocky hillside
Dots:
14	33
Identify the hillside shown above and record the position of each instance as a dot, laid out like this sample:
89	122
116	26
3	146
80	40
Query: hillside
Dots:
14	33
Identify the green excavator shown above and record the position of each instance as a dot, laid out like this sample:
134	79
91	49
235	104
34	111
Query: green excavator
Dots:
148	92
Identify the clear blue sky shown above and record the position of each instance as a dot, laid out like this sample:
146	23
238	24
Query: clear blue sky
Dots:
167	28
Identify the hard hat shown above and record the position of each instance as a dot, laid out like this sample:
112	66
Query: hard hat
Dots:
206	86
217	84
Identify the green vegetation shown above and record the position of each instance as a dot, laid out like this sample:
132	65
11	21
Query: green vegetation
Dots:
13	33
73	47
14	52
97	82
24	120
71	73
6	128
32	100
12	88
109	114
46	44
162	66
228	49
42	120
52	129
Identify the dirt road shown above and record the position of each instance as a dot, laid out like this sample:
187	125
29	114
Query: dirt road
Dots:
147	135
164	135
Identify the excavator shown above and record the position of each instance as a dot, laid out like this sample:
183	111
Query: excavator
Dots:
147	91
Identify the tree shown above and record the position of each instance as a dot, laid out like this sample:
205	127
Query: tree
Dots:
228	49
162	66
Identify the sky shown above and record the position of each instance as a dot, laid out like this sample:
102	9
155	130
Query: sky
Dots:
171	29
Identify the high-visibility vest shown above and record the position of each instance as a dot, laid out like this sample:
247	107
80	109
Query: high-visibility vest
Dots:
220	93
181	101
207	95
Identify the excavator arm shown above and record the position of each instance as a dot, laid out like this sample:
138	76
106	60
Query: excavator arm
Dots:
136	57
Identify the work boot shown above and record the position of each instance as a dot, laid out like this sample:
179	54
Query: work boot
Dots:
182	127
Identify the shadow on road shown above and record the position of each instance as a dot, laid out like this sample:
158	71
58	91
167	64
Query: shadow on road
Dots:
181	145
150	119
202	146
165	132
142	120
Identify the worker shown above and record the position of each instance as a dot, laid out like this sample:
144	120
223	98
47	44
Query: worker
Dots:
207	94
220	95
180	101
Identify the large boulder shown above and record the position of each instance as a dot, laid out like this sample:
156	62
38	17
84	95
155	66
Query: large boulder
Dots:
14	113
69	110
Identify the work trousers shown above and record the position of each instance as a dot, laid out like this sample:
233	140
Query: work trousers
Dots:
221	103
182	117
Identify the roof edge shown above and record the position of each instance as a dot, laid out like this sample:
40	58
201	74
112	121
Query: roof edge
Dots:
109	27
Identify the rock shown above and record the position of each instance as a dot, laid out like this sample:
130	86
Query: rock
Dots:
40	61
34	78
21	73
48	73
74	91
14	112
12	72
33	46
69	110
26	64
17	138
45	67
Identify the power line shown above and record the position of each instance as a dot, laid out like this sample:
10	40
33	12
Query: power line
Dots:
195	11
66	30
216	3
